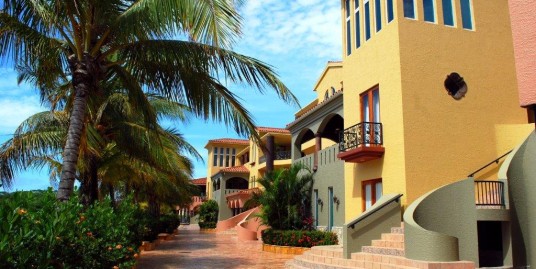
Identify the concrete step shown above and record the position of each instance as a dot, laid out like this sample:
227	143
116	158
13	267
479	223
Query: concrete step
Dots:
388	244
397	230
393	237
320	262
383	250
327	251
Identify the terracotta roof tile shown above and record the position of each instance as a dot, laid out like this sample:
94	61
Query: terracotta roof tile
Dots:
199	181
229	141
272	130
235	169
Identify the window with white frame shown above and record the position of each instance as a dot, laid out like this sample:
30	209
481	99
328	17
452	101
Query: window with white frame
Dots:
448	12
366	4
348	28
215	156
467	14
429	10
409	9
357	19
390	10
378	13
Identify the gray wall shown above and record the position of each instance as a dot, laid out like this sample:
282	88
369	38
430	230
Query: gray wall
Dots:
330	173
522	195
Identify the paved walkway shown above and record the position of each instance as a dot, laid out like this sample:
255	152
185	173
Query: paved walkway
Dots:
192	249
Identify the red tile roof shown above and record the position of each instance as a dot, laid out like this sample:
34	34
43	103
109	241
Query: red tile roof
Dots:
229	141
199	181
235	169
272	130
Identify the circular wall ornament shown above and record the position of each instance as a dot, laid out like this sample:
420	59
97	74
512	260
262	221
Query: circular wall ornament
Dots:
455	86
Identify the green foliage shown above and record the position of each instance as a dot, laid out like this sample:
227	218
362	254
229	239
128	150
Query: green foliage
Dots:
208	214
38	232
299	238
286	199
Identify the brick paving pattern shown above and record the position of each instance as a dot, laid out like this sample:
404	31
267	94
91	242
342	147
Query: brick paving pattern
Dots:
192	249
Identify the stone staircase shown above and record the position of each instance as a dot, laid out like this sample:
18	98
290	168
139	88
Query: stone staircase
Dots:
384	253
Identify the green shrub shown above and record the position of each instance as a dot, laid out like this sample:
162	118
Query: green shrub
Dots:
207	225
36	231
298	238
208	214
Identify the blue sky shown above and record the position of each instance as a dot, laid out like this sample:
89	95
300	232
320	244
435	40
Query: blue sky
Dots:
296	37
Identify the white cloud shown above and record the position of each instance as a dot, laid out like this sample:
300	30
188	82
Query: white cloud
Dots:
308	27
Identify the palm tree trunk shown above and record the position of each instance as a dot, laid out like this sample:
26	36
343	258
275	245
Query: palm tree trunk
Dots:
81	82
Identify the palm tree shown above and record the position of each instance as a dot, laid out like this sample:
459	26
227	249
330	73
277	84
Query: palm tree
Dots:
286	198
132	43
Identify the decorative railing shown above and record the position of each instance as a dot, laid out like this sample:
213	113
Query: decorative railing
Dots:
282	155
279	155
364	133
489	193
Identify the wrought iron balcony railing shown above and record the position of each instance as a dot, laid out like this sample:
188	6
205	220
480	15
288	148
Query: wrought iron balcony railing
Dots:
279	155
361	134
282	155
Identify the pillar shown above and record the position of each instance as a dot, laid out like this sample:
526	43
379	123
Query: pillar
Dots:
318	147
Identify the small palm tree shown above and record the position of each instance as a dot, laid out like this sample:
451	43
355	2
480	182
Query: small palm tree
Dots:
286	198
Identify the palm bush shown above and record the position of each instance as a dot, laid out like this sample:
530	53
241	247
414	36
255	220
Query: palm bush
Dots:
286	199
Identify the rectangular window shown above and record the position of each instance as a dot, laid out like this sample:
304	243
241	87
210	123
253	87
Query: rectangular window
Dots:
227	156
448	13
233	161
371	192
378	9
367	20
315	210
330	209
221	157
409	9
429	10
390	11
215	157
348	29
467	14
357	24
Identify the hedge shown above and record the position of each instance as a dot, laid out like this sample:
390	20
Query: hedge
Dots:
298	238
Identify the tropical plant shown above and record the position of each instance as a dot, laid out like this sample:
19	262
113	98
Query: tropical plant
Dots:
286	198
38	232
208	214
83	45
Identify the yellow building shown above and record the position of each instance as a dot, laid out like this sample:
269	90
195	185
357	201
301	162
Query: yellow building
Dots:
425	95
234	165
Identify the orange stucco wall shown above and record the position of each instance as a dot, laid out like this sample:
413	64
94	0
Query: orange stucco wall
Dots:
523	25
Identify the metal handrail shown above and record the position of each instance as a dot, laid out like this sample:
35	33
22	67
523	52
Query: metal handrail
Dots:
492	162
367	214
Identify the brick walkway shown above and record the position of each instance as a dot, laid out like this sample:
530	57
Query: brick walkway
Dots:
191	249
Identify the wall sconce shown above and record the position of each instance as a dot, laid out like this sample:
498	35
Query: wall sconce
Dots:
319	201
336	200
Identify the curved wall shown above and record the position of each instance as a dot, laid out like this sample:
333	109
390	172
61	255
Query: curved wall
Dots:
442	225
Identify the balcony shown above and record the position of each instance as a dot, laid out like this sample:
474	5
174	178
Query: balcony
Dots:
279	155
361	143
